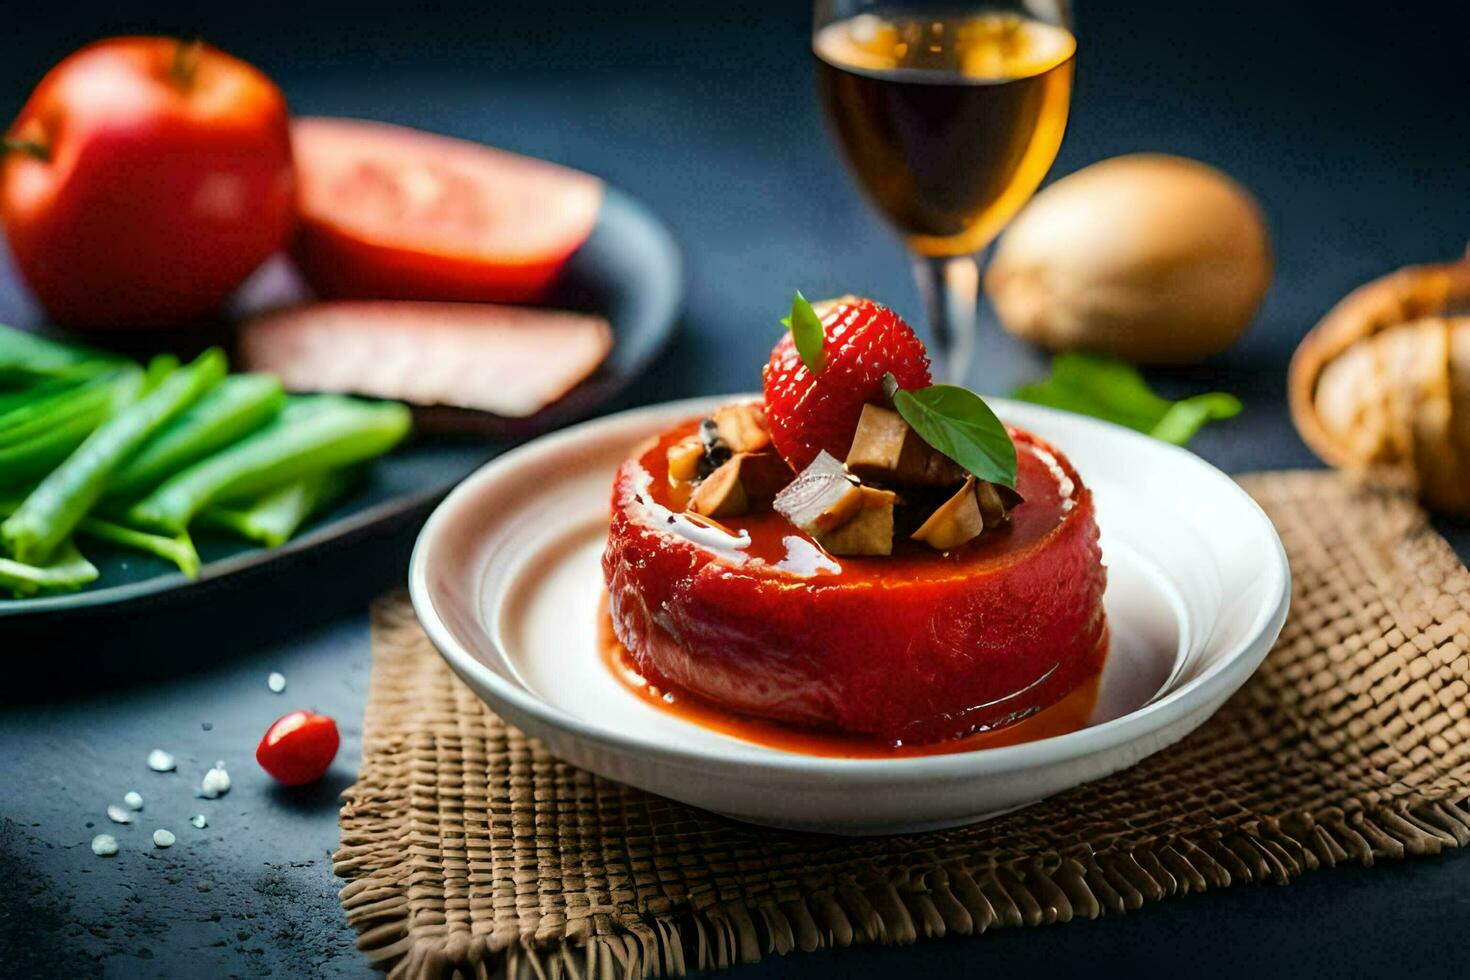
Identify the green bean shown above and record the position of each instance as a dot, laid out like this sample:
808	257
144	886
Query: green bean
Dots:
67	571
44	413
27	460
160	367
234	408
178	549
17	408
25	356
311	434
47	387
272	520
68	492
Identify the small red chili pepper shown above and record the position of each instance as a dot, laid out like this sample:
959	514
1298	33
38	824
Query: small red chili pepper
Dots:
298	748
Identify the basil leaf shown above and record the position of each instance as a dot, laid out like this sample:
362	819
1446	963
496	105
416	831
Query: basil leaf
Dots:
957	423
1115	392
807	333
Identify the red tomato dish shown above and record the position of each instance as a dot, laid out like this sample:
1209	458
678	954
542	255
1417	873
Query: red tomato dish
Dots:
393	213
935	607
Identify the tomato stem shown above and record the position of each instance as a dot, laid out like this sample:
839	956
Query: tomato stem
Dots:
35	148
186	62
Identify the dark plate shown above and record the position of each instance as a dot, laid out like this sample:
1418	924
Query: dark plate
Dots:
630	271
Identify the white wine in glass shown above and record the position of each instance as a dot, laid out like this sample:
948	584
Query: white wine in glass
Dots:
949	117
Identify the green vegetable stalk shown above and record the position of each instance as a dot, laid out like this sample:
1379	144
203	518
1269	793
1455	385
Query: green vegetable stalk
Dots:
63	498
67	571
275	518
45	411
160	366
26	462
311	434
179	550
234	408
45	388
27	357
56	434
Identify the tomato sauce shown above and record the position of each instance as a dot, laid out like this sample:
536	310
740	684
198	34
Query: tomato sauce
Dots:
1070	714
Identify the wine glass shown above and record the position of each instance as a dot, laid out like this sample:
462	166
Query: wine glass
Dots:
949	116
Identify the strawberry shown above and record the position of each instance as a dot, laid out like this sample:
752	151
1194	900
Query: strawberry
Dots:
808	412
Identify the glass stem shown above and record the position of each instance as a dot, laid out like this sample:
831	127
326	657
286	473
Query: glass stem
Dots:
950	287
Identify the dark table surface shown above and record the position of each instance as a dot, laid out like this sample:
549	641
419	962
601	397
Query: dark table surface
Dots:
1352	131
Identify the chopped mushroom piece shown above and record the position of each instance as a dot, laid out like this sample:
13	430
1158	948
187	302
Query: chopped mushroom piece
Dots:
823	497
956	521
742	427
716	453
684	459
870	532
886	448
763	475
995	502
882	441
721	494
747	480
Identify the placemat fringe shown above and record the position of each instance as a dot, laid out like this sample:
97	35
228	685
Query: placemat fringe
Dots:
943	900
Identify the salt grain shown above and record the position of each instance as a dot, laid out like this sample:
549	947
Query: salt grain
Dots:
216	782
161	761
117	814
276	682
199	820
134	800
163	838
104	845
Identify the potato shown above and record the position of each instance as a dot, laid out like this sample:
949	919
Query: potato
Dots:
1155	259
1382	384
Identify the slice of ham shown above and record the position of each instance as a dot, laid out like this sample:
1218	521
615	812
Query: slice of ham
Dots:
508	360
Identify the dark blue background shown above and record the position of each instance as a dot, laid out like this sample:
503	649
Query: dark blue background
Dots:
1351	127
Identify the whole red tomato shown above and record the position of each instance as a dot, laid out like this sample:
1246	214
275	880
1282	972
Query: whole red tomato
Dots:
144	179
298	747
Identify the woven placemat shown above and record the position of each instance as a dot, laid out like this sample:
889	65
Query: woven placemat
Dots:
472	851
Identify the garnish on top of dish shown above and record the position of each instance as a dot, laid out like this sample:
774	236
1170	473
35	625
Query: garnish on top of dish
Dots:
863	552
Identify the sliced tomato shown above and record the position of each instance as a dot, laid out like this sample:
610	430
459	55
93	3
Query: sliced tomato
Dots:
395	213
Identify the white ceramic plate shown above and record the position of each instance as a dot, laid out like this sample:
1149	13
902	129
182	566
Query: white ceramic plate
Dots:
506	579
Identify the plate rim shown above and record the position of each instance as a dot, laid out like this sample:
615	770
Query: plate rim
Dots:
599	390
1222	680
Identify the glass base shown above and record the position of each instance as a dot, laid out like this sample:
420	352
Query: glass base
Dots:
950	289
